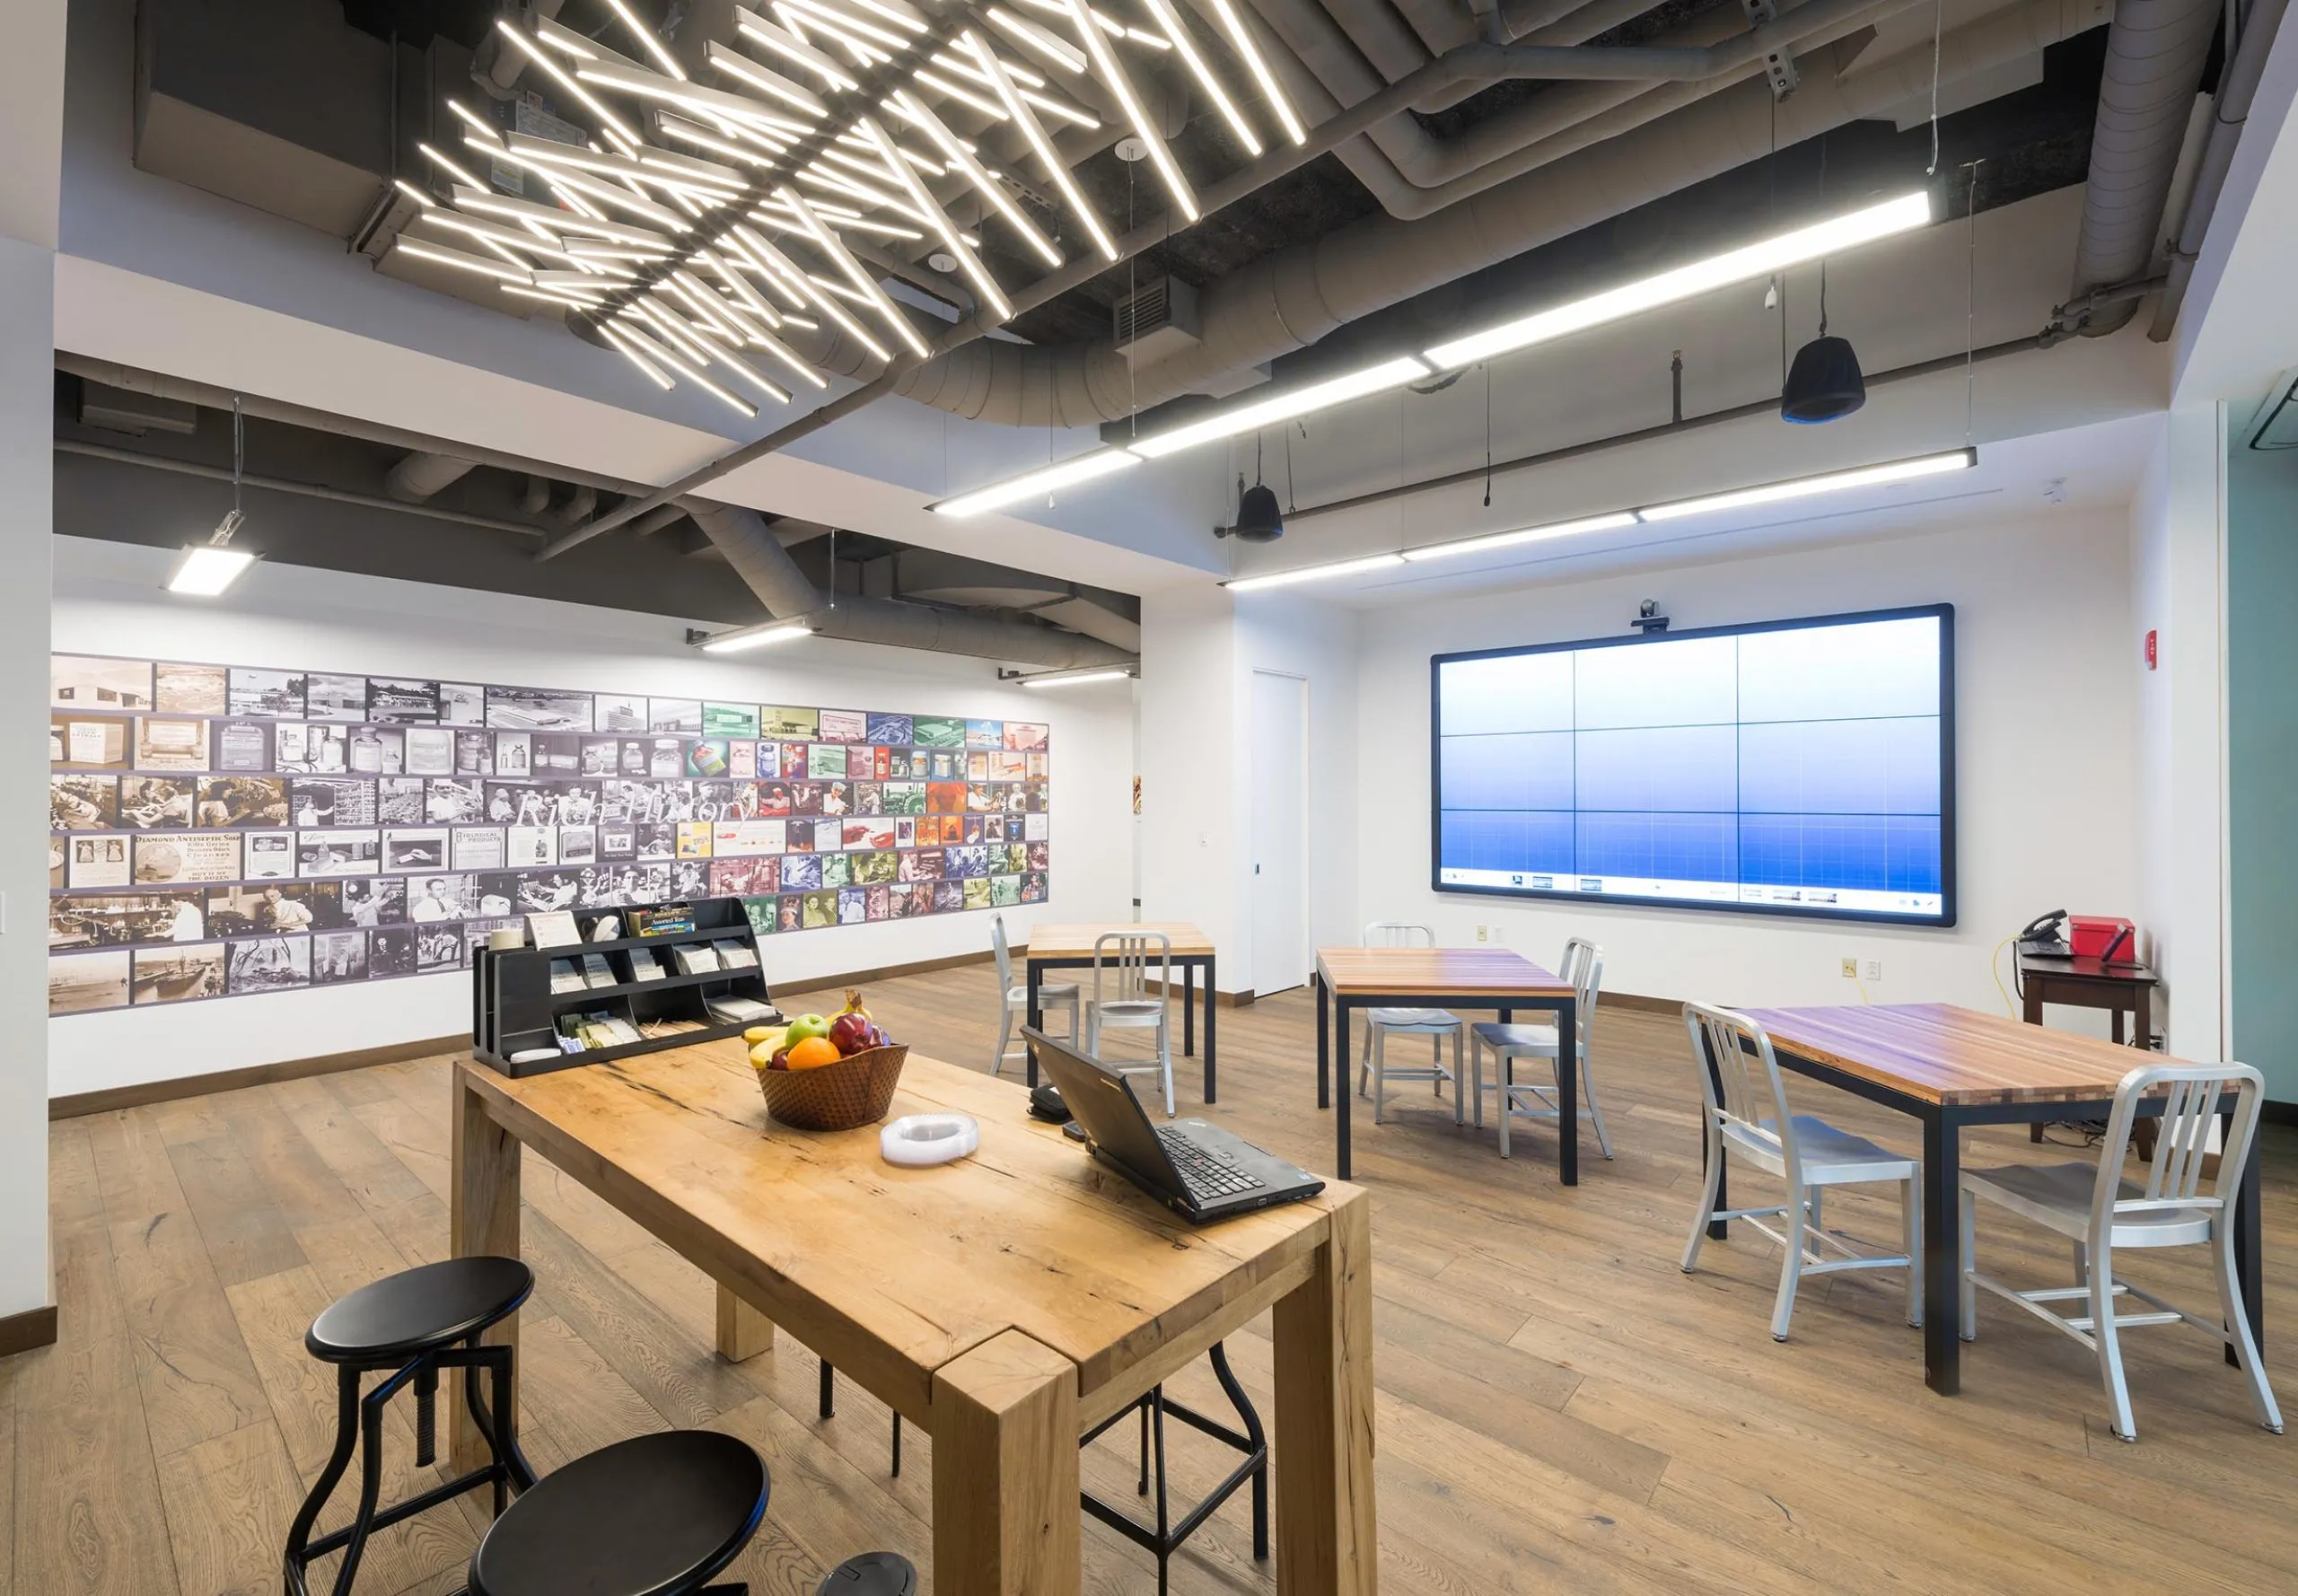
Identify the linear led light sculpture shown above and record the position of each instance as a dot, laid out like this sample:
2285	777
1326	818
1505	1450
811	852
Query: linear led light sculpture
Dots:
1799	247
1769	493
727	200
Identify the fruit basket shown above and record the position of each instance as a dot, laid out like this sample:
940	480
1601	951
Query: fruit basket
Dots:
855	1091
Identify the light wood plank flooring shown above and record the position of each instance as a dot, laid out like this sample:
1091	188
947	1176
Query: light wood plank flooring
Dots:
1560	1409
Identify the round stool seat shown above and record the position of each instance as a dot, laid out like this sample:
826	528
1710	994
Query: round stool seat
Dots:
653	1516
873	1574
418	1310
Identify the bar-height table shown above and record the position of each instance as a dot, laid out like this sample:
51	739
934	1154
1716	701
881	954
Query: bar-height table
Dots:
1071	947
1005	1302
1440	978
1950	1067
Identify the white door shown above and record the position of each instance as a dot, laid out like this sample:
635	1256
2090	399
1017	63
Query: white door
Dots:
1280	834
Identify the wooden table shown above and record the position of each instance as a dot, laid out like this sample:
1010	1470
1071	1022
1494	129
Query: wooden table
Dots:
1950	1067
1071	947
1440	978
1005	1302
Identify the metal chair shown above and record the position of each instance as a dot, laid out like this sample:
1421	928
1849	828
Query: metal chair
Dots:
1748	1117
410	1326
1584	967
1124	957
1017	998
2099	1211
1435	1024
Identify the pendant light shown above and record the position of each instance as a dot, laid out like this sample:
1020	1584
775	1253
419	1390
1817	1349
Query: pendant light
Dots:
1825	383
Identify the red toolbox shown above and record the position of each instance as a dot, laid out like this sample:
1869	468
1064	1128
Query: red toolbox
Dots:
2092	935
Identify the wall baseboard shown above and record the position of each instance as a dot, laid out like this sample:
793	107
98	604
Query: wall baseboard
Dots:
22	1332
1640	1005
108	1099
887	972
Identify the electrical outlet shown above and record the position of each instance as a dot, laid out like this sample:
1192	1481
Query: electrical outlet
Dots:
1874	970
1500	934
1851	969
1480	934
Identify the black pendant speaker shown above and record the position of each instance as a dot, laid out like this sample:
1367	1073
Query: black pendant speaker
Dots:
1258	521
1824	384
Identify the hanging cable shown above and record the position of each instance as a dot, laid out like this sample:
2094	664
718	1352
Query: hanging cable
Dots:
1487	435
1970	300
1938	10
231	522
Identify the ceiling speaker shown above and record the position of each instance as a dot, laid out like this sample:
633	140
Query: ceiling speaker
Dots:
1824	384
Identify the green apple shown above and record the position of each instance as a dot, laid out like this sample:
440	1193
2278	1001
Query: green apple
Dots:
804	1026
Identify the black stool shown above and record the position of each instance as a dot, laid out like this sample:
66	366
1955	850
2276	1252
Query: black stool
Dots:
657	1515
412	1324
1167	1538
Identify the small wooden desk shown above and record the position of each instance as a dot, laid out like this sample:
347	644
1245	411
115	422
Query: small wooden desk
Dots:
1005	1302
1440	978
1071	947
1950	1067
2089	984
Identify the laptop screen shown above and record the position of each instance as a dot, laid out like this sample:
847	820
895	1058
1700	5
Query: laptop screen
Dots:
1103	1101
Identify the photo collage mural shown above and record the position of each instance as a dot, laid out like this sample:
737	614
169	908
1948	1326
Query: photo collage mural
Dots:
222	830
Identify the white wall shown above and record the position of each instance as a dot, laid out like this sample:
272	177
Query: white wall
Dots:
108	600
2045	719
2176	545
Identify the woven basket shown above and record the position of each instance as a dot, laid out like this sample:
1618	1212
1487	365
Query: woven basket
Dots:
855	1091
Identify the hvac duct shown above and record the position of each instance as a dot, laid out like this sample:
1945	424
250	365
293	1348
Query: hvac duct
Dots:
420	476
2155	50
765	567
2238	87
1293	297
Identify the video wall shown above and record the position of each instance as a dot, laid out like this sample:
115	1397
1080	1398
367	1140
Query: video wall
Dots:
1802	766
223	831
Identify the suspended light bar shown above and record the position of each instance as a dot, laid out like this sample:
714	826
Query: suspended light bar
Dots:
1794	488
1284	406
207	569
1106	67
1070	679
646	38
1803	245
1081	467
742	639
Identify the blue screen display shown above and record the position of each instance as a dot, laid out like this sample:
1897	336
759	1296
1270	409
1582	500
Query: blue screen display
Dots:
1802	767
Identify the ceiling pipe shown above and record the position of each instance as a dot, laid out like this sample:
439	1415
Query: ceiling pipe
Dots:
767	569
2155	51
420	475
2238	88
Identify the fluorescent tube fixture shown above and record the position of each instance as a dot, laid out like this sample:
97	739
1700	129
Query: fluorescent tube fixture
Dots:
1063	679
742	639
1077	468
1532	534
206	570
1898	470
1283	407
1736	266
1377	562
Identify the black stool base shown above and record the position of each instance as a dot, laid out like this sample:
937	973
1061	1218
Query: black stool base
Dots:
1167	1537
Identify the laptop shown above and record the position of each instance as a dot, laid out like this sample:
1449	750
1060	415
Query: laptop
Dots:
1200	1171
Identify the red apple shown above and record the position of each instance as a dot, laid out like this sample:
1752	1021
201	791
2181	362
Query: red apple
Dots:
851	1033
781	1060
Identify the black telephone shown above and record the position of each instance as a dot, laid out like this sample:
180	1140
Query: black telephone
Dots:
2042	935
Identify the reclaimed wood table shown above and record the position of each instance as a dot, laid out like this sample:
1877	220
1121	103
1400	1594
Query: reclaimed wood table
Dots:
1071	947
1006	1303
1494	978
1949	1067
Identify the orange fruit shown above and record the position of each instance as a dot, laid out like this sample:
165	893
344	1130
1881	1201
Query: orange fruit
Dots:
814	1053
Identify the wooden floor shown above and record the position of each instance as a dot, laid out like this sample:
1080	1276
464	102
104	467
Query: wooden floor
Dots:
1560	1409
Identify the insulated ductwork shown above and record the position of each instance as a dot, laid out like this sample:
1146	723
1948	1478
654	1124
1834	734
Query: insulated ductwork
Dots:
765	567
2238	87
2155	51
1665	141
420	476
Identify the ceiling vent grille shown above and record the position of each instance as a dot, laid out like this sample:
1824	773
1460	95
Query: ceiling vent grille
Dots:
1156	319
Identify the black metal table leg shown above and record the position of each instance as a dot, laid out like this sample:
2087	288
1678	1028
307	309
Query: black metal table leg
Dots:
1718	1230
1341	1096
1324	1041
1943	1345
1037	1021
1212	1008
1567	1093
1188	1008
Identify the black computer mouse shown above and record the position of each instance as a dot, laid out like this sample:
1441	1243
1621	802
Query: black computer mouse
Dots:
873	1574
1046	1104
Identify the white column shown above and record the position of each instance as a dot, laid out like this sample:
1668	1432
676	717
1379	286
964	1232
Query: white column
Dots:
1192	797
32	101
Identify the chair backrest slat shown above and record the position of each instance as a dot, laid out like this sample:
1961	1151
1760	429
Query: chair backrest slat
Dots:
2191	1095
1739	1078
1398	933
1584	967
998	946
1125	956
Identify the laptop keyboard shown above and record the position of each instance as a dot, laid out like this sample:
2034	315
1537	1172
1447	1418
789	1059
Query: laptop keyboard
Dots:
1207	1173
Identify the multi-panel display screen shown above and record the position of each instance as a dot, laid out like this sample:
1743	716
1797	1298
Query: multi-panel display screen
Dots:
1803	767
